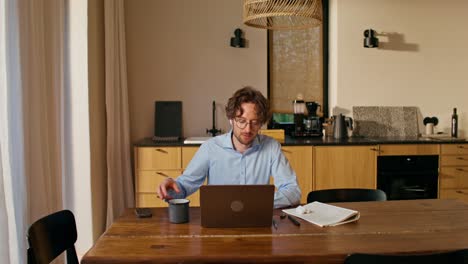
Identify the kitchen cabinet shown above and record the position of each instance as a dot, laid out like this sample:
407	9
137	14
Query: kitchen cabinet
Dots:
157	158
453	175
345	167
408	149
187	155
316	167
152	166
300	159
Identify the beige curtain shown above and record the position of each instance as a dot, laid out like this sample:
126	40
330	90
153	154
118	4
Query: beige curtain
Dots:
119	172
31	118
4	238
42	60
9	224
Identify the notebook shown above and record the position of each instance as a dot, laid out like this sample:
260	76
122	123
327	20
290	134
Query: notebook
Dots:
323	214
236	205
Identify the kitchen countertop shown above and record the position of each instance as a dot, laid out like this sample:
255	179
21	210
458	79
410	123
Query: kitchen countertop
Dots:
327	141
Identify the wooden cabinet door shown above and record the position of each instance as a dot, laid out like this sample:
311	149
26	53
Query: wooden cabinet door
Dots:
187	155
453	176
455	149
146	183
300	159
345	167
458	194
157	158
408	149
152	166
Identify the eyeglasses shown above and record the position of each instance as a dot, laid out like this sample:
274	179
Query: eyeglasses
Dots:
242	123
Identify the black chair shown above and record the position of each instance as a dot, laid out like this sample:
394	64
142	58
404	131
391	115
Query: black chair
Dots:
52	235
452	257
346	195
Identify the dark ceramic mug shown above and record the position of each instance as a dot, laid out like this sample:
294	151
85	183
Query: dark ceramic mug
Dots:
179	211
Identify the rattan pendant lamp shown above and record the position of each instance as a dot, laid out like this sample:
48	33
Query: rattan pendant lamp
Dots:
283	14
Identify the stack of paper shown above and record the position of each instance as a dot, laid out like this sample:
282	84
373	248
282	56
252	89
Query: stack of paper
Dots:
324	214
195	140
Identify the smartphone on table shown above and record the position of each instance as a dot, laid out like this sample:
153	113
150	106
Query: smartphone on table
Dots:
143	212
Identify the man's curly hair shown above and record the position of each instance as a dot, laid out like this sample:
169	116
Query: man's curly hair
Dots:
248	95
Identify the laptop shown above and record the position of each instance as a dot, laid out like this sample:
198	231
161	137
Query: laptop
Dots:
236	205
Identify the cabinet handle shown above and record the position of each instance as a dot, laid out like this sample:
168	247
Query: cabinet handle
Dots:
460	192
162	174
161	150
460	146
377	150
460	158
459	169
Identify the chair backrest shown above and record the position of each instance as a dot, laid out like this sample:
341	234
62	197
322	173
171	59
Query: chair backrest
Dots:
50	236
452	257
346	195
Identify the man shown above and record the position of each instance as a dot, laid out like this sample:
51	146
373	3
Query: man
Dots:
241	156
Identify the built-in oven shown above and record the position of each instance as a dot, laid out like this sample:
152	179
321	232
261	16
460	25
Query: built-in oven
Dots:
408	177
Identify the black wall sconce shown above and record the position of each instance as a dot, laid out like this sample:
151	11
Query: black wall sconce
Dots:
370	41
237	41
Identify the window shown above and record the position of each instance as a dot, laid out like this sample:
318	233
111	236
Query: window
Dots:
298	64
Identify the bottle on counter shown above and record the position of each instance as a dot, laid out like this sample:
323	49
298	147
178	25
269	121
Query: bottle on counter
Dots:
454	131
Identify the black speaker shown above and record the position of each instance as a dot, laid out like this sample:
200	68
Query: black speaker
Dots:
168	120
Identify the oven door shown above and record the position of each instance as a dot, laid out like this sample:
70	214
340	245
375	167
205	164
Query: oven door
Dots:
408	186
408	177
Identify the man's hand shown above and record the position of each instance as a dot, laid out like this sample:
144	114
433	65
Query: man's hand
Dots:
166	185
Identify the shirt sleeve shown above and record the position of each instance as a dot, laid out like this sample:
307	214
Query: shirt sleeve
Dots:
287	192
194	175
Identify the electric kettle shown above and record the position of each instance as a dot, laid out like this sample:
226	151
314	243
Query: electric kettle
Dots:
340	126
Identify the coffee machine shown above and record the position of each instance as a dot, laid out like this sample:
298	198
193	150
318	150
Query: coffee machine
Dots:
309	125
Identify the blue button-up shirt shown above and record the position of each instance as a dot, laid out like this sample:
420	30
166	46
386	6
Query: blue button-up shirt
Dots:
218	161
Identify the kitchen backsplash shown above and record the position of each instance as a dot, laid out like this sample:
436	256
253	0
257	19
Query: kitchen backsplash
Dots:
385	121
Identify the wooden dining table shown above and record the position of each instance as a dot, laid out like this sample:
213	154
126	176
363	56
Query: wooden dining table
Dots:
390	227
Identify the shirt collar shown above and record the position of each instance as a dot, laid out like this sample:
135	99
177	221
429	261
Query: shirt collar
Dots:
227	142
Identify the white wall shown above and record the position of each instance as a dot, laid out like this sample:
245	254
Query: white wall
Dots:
422	59
179	50
420	62
77	179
